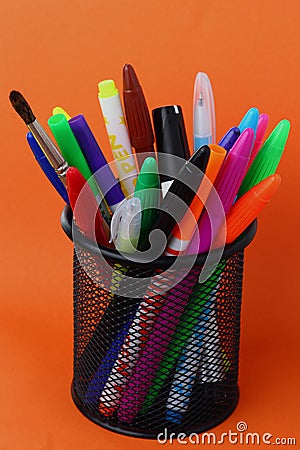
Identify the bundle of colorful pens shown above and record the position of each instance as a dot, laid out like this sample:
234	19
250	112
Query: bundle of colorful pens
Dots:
172	192
239	166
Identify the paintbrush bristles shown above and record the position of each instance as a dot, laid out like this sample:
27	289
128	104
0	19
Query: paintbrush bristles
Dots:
22	107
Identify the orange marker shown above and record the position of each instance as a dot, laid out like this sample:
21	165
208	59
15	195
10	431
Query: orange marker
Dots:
247	207
183	232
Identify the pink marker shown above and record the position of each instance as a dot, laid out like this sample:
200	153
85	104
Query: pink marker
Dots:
227	185
263	122
153	351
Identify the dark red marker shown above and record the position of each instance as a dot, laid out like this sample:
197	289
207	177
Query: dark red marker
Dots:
137	115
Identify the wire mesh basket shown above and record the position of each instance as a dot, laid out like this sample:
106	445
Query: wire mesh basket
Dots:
148	359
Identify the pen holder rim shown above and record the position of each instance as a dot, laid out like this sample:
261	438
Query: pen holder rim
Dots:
240	243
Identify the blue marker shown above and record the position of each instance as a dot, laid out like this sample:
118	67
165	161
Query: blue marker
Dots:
46	167
250	120
229	139
100	378
185	376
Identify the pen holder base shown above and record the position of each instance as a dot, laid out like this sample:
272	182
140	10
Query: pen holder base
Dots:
155	362
152	434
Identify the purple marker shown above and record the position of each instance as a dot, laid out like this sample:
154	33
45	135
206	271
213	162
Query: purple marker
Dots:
227	185
105	178
230	138
149	360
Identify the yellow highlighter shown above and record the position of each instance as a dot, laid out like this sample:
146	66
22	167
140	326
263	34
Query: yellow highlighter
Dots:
59	110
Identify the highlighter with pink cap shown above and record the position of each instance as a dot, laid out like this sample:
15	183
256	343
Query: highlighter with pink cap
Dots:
226	185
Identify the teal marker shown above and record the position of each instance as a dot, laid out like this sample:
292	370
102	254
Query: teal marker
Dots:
250	120
268	157
147	190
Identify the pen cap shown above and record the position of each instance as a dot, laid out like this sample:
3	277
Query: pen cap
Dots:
70	149
85	207
250	120
182	191
116	220
204	108
233	170
227	184
147	190
171	139
130	224
190	176
136	109
126	225
60	110
268	157
96	161
262	125
183	231
229	139
107	89
248	207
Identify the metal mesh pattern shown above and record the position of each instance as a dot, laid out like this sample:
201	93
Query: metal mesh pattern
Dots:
165	360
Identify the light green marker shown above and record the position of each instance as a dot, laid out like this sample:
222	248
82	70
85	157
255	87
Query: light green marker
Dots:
70	149
267	159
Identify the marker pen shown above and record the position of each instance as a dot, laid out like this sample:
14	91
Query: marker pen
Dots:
262	125
118	136
249	205
268	157
229	139
250	120
137	115
171	140
97	162
227	184
183	232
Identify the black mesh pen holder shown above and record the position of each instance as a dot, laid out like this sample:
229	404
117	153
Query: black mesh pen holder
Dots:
155	351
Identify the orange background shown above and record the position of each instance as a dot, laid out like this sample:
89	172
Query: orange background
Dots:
55	53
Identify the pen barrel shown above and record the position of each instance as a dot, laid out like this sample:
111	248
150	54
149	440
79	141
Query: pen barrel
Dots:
119	142
179	197
47	168
98	165
155	351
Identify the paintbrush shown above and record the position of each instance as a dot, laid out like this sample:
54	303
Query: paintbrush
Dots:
51	151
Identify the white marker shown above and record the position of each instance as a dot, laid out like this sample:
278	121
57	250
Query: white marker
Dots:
118	136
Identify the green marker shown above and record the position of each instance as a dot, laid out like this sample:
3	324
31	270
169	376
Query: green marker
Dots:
70	149
147	190
267	159
184	332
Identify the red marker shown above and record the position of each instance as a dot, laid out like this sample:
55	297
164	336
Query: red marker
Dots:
137	115
86	211
247	207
